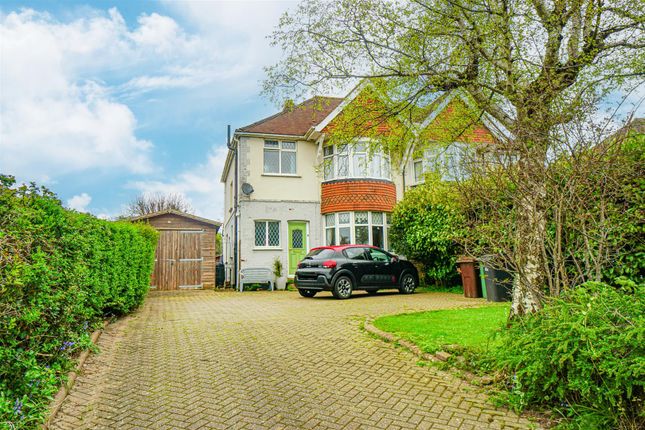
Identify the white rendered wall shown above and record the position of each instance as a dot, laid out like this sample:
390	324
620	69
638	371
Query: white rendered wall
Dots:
283	211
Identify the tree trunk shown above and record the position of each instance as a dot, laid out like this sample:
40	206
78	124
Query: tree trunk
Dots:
528	284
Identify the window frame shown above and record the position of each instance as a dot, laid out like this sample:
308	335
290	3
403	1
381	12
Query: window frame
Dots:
418	178
266	234
448	161
384	224
351	155
279	150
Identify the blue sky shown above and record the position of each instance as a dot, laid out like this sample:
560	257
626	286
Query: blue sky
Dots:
101	101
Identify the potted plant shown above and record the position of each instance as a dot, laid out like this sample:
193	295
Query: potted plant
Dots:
280	281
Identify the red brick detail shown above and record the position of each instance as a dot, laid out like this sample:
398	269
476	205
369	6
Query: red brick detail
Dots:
457	123
357	195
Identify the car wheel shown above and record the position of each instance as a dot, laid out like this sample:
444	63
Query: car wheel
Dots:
372	292
307	293
408	284
342	288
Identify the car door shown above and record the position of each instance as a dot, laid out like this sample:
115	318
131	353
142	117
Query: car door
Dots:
381	262
359	265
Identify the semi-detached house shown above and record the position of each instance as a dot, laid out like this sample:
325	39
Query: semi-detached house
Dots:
295	191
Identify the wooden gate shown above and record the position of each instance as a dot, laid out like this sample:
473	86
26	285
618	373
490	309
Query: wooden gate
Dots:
178	260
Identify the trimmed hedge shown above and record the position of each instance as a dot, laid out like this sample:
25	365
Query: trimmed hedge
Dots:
425	228
61	274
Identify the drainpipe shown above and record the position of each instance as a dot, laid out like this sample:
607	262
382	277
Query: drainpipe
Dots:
235	208
403	174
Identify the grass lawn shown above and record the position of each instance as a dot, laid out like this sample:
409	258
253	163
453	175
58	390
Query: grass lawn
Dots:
469	327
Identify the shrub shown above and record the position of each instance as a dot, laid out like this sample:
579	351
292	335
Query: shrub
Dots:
583	355
61	274
425	226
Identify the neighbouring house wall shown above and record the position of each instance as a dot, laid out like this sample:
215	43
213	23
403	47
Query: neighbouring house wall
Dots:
457	123
283	211
208	247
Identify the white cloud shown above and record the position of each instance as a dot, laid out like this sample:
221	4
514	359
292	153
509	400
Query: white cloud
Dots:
58	115
199	185
236	29
79	202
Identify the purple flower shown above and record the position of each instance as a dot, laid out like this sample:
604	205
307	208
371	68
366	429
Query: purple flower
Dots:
66	345
17	407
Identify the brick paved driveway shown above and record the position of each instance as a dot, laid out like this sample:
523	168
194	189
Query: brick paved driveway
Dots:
256	360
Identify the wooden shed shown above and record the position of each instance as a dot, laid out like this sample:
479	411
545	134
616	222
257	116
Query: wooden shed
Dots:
186	252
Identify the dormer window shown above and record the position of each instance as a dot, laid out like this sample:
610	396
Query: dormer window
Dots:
279	157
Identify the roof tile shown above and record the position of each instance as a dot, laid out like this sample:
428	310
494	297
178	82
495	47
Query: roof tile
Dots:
297	120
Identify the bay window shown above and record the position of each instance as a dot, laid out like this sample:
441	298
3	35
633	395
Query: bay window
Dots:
361	228
450	161
344	229
343	161
330	229
418	171
364	228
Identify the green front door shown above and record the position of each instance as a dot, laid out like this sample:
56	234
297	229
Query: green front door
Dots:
297	244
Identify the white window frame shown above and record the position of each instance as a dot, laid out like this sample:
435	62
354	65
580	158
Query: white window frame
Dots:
266	234
351	152
352	227
280	149
420	178
431	160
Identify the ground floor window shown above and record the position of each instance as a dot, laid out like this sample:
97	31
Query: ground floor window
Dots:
267	234
364	228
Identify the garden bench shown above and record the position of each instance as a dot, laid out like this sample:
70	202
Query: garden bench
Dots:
256	275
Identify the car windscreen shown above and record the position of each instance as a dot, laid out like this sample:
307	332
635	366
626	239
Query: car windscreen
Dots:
321	253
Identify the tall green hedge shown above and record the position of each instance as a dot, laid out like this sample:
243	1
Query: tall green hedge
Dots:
425	228
61	274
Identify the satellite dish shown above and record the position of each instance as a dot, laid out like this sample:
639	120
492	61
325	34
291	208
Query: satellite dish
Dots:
247	188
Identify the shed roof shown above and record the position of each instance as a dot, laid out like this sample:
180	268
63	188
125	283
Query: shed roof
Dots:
178	213
295	121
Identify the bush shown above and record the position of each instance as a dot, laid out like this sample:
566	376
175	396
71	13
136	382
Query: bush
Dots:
61	274
582	355
425	226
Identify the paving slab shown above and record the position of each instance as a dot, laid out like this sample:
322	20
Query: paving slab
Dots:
270	360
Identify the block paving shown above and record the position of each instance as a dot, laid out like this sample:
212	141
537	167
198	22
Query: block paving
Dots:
261	360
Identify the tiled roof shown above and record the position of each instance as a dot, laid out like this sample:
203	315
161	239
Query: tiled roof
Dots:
297	120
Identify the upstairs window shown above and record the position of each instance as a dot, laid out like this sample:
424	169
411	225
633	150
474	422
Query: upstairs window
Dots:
279	157
343	161
418	171
450	161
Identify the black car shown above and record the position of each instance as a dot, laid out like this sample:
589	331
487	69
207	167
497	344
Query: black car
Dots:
343	269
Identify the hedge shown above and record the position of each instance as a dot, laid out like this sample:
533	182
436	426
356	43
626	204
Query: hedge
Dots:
583	355
426	226
61	274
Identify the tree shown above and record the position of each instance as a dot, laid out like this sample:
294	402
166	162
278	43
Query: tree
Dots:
218	244
149	203
532	65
